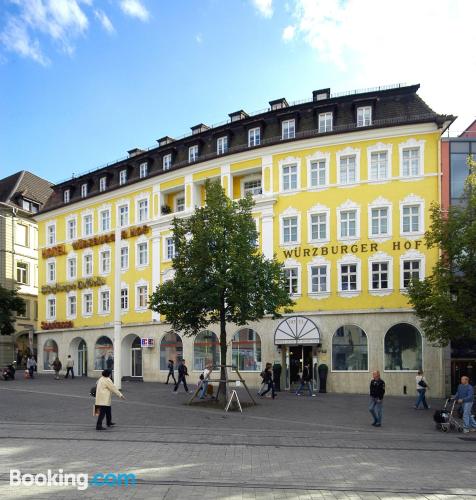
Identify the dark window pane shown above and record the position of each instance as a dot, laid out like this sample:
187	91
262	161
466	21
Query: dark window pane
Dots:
459	147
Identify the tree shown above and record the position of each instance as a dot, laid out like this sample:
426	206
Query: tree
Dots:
445	302
10	306
219	274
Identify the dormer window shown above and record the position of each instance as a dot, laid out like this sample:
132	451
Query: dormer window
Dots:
122	177
66	195
84	190
143	170
167	161
102	184
325	122
192	153
364	116
254	137
288	128
222	145
29	205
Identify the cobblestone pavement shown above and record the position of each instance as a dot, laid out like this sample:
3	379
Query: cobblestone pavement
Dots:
292	447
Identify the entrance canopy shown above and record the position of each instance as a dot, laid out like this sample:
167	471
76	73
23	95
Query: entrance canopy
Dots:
297	330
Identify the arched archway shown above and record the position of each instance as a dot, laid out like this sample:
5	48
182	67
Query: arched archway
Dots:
403	348
79	352
350	349
103	354
131	356
246	350
206	348
50	351
171	347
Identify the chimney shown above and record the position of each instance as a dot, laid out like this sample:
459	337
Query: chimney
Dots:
238	115
321	95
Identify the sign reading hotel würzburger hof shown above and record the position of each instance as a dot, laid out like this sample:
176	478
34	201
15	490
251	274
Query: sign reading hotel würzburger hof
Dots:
349	249
58	250
53	325
67	287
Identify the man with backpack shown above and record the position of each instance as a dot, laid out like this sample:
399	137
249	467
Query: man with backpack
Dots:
182	374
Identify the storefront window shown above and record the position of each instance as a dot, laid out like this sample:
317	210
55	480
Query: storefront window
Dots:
170	348
403	348
205	349
246	350
50	351
103	354
350	349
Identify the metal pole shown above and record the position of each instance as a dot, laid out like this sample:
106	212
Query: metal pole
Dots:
117	309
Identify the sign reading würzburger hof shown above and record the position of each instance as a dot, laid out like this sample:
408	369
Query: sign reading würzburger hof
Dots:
348	249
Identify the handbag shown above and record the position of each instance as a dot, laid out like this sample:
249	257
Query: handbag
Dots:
92	391
422	383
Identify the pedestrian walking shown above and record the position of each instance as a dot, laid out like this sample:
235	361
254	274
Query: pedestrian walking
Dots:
268	379
170	366
182	374
377	391
31	366
465	396
104	389
421	387
306	379
69	367
204	381
57	367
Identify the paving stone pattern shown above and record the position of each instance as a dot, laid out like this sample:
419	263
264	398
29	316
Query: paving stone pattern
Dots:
292	447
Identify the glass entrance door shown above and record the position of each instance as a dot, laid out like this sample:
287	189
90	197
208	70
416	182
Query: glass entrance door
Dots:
299	356
82	359
136	358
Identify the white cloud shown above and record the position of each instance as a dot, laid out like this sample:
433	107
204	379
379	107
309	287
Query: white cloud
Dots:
375	42
265	7
104	20
288	33
135	8
199	38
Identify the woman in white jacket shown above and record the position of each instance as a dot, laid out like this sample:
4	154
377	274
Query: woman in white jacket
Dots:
104	389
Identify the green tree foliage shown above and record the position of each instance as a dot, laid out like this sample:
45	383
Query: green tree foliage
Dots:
445	302
10	306
219	274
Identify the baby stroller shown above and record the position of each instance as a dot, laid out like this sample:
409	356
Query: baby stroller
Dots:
447	418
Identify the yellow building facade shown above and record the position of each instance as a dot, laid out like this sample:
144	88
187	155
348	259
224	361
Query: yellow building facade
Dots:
344	206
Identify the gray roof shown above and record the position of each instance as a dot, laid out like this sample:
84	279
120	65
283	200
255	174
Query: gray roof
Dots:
24	184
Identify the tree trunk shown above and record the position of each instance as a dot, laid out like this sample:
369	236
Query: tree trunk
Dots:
223	389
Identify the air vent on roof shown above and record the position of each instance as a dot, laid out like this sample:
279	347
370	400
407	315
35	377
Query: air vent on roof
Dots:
135	152
278	103
165	140
238	115
199	128
321	95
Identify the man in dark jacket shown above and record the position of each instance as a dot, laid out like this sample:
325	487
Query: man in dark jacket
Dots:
377	391
182	373
306	379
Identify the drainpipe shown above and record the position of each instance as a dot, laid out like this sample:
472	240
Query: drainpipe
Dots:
117	309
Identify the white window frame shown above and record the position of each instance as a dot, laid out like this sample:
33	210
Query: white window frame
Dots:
323	122
380	147
251	178
84	225
288	129
139	211
318	210
380	203
67	195
124	247
293	264
319	262
88	253
413	200
51	312
139	284
101	310
71	235
193	153
122	177
51	233
179	196
143	170
313	159
124	288
166	248
288	213
84	311
167	161
349	260
381	257
128	213
103	211
51	270
290	162
365	120
345	153
349	205
140	243
103	270
69	275
412	144
222	145
254	137
412	255
84	190
24	271
69	297
102	184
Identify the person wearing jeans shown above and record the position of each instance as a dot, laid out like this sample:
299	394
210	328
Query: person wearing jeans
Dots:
206	378
421	387
377	391
268	379
465	396
306	379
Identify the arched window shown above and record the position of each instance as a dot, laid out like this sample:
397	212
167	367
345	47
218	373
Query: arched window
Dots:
50	351
103	354
403	348
170	348
246	350
205	349
350	349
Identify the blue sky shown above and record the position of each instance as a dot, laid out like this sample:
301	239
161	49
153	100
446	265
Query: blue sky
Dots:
83	81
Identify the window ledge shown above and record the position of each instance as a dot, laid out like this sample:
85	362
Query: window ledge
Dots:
349	294
381	293
320	295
